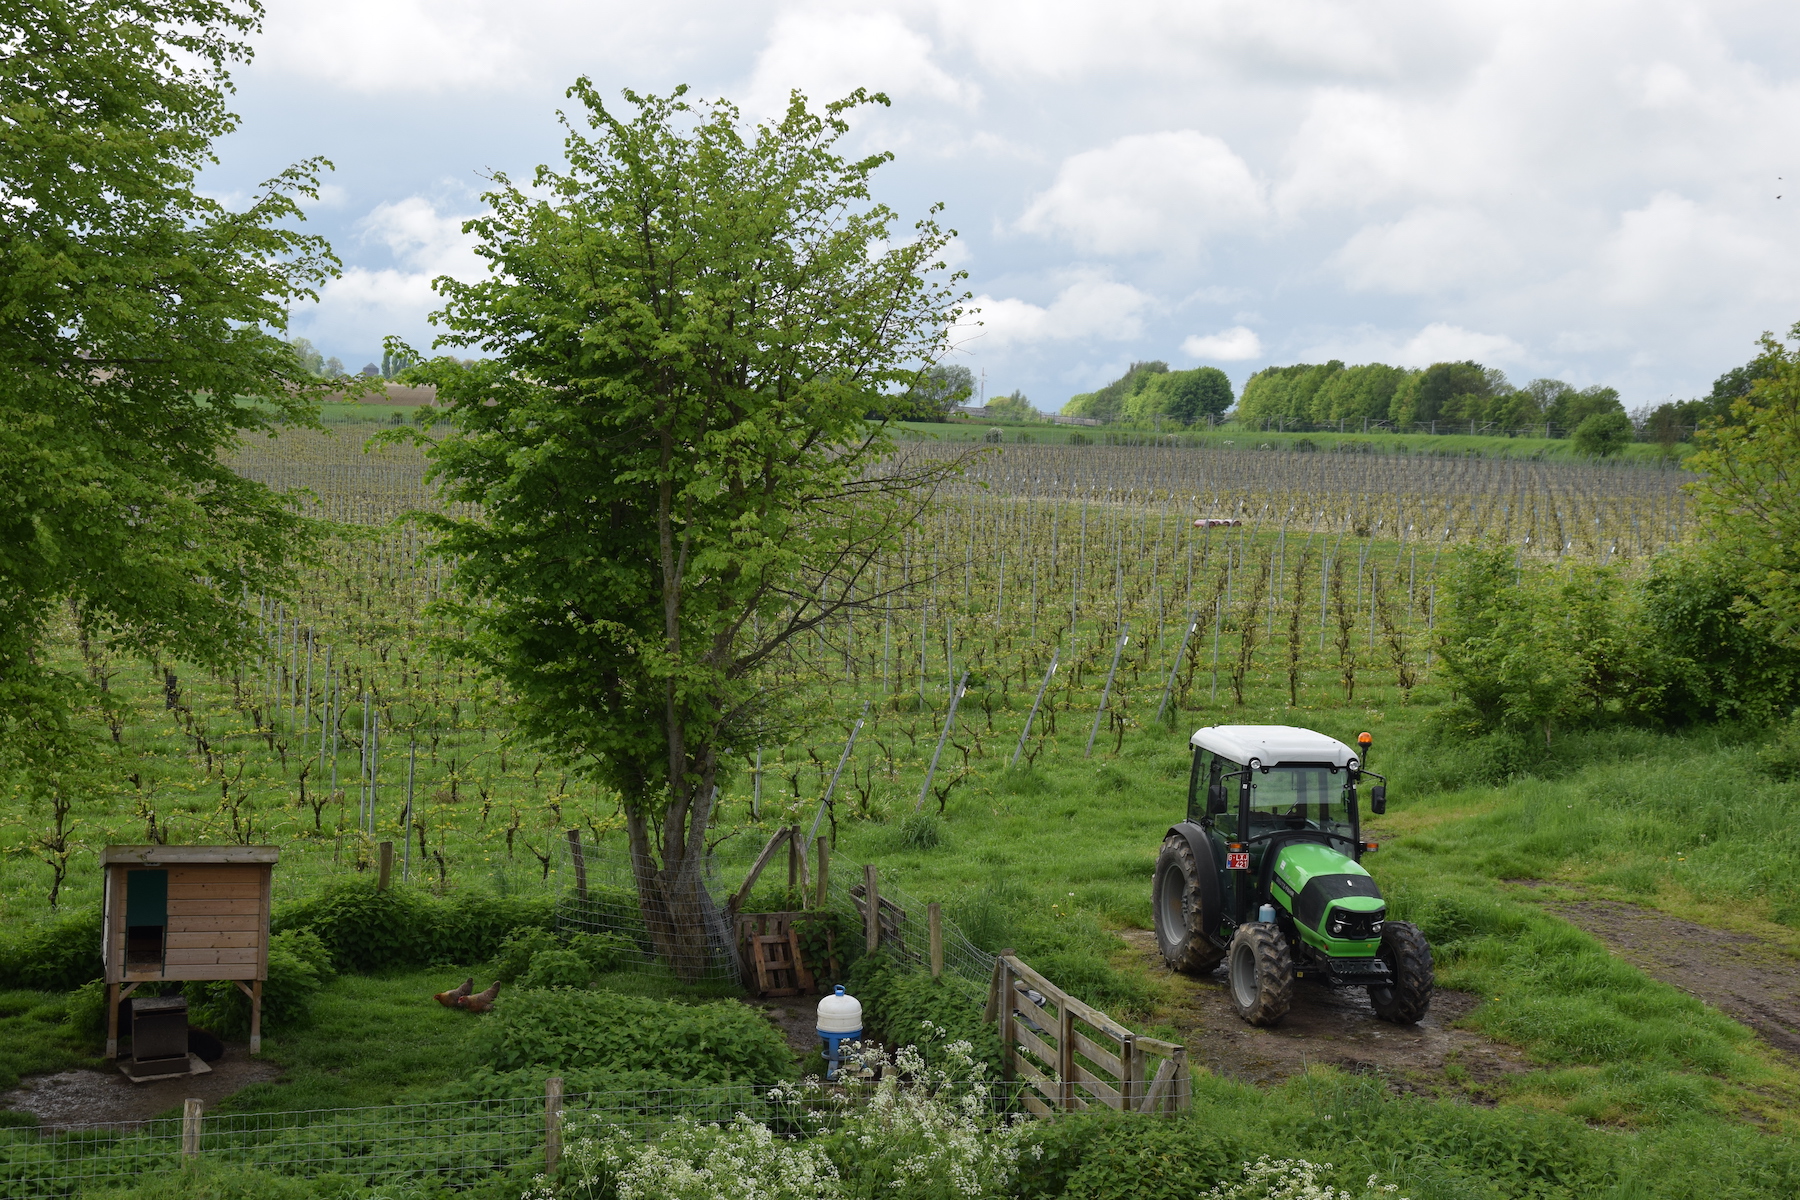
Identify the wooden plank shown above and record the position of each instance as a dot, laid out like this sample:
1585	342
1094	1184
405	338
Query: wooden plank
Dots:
210	874
1037	1045
1007	1051
1156	1095
1099	1055
187	923
1097	1087
237	907
1131	1083
1065	1056
1035	1105
213	939
1086	1012
1025	1006
991	1012
1155	1046
195	957
1029	1072
762	860
164	856
210	971
266	903
214	891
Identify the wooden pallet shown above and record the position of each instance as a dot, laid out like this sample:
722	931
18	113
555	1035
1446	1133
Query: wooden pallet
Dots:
773	963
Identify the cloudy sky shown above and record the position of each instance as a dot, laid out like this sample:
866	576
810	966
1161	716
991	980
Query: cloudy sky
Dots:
1579	189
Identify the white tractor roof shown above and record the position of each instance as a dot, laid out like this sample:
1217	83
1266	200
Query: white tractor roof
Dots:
1272	744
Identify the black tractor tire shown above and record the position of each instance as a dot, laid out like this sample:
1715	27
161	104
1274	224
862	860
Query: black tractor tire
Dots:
1408	956
1177	902
1260	973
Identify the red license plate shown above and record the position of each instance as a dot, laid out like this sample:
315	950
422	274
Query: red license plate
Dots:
1237	862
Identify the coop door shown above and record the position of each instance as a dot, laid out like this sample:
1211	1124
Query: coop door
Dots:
146	919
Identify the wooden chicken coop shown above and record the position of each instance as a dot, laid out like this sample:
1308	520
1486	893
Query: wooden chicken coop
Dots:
182	913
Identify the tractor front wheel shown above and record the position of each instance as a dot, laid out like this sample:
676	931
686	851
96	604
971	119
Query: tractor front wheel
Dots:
1261	973
1180	909
1408	956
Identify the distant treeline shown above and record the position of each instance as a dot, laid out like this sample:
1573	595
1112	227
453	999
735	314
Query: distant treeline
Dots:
1149	390
1458	392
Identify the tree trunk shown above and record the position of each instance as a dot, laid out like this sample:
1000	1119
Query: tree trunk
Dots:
671	882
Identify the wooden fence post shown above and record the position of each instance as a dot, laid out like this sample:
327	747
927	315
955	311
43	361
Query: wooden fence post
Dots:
871	910
385	865
794	853
934	915
580	862
553	1103
190	1128
1128	1082
1008	1052
1065	1054
824	872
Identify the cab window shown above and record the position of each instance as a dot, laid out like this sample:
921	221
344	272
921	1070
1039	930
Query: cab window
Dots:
1299	797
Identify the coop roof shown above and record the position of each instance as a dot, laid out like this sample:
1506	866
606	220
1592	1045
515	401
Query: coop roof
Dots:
159	856
1272	744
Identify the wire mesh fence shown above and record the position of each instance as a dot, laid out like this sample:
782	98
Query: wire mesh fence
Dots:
445	1146
601	897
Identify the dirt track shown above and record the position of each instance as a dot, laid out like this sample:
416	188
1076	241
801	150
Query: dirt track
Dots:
1743	977
1332	1026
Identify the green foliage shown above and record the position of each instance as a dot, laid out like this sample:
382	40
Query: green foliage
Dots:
299	965
1014	407
1781	757
57	955
934	393
632	651
366	929
205	1180
1184	396
557	969
919	831
898	999
121	514
1105	1155
1721	668
1603	434
1749	492
1109	403
564	1028
516	951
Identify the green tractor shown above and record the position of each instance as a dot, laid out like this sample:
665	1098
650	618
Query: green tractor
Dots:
1265	874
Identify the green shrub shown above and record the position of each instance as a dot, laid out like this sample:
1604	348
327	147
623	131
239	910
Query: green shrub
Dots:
604	952
920	831
898	999
56	956
299	964
216	1181
514	956
1720	668
557	968
366	929
565	1029
1781	757
1106	1155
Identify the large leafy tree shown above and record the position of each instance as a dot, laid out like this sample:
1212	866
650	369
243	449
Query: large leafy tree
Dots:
669	449
1749	490
134	311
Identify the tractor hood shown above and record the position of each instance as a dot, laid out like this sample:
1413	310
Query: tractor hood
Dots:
1316	883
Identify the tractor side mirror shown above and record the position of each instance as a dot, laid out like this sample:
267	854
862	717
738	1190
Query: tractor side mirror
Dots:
1378	799
1215	799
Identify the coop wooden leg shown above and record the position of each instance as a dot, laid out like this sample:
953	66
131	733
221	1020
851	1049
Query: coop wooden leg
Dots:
112	1020
256	1017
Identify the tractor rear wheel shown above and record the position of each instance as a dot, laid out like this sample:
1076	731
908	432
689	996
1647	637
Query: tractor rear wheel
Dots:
1408	956
1261	973
1177	901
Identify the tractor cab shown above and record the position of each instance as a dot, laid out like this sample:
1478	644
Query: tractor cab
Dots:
1267	871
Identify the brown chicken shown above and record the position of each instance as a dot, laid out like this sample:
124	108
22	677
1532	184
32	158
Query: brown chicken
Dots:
480	1002
455	996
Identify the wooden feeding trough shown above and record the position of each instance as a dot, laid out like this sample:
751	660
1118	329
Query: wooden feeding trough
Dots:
186	912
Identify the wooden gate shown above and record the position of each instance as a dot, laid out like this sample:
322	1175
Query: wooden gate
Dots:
1073	1055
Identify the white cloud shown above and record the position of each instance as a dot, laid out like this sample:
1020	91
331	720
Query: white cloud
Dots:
366	304
1089	307
1429	250
1236	344
1439	341
1148	192
375	46
829	52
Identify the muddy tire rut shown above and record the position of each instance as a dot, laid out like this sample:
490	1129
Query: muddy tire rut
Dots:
1330	1027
